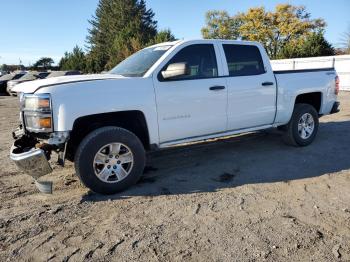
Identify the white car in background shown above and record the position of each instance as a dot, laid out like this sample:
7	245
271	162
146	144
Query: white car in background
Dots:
8	77
30	76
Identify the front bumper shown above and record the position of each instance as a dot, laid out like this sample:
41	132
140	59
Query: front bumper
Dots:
32	159
33	162
335	108
10	86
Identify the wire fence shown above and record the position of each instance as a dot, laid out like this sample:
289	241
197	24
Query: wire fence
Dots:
341	64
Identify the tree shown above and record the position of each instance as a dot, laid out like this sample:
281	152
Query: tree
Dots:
286	25
163	36
44	63
10	68
314	45
220	25
5	68
118	28
345	41
75	60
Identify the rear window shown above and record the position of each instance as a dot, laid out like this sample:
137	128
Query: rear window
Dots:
243	60
29	76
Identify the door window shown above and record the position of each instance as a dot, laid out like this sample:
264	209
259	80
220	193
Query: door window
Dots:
243	60
200	59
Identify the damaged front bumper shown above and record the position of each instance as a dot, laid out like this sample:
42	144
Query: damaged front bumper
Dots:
32	157
33	162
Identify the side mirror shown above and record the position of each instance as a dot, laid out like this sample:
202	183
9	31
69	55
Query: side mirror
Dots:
176	69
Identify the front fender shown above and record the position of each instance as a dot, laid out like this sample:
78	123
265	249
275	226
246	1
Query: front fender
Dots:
71	101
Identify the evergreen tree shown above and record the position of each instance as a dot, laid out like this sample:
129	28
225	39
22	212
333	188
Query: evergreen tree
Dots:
163	36
74	60
317	45
313	45
119	28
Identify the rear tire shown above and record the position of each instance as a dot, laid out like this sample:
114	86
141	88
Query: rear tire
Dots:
100	157
303	126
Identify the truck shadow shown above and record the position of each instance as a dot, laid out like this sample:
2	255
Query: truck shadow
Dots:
248	159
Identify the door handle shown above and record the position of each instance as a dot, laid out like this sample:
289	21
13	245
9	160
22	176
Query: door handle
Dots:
267	84
214	88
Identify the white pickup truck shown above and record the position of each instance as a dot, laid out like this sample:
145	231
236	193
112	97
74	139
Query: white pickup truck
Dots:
162	96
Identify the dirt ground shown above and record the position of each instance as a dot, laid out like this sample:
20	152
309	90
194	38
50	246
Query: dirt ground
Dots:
249	198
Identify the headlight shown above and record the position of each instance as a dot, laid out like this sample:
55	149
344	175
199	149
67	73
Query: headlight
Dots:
37	113
38	103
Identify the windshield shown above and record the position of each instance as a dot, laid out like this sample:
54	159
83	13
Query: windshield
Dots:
139	63
18	76
29	76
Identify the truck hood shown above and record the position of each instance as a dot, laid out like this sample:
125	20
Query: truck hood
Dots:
32	86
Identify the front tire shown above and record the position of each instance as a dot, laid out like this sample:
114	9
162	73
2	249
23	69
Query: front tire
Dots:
8	91
109	160
303	126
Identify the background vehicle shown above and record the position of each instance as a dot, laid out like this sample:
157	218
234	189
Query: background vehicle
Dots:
63	73
5	78
163	96
30	76
43	75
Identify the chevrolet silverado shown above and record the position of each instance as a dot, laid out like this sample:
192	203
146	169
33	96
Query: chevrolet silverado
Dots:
162	96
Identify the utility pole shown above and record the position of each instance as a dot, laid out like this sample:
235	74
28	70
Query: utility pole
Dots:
20	63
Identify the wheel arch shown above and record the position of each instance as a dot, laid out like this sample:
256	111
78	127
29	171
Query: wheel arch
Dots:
132	120
312	98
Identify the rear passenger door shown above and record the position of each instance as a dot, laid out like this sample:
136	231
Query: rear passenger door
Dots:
251	87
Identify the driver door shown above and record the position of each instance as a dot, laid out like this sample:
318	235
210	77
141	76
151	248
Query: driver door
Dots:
195	104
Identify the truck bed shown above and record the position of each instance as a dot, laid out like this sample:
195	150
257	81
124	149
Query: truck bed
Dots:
292	83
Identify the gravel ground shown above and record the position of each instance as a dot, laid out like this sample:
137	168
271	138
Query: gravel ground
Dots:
248	198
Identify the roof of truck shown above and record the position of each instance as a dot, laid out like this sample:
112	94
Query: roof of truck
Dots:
198	41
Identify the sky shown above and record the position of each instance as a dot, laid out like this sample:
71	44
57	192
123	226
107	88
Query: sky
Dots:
31	29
